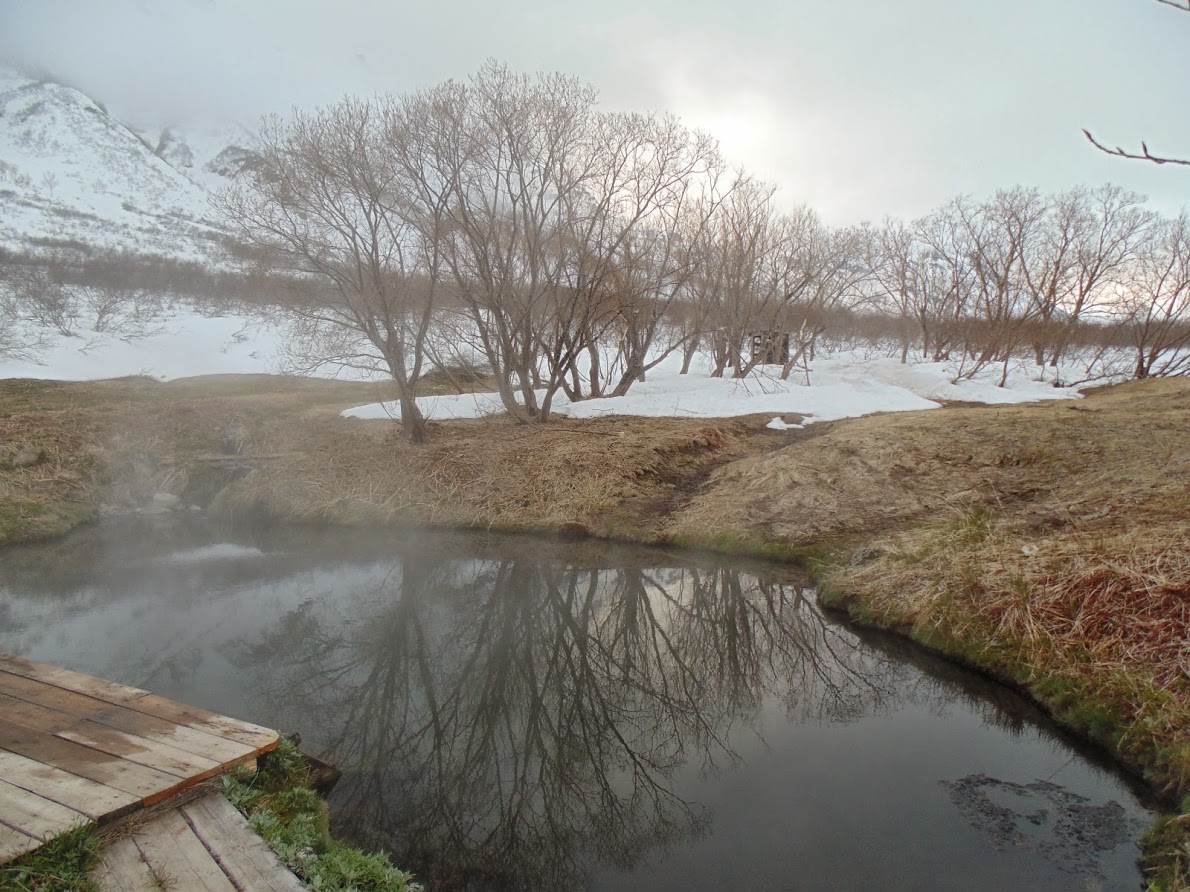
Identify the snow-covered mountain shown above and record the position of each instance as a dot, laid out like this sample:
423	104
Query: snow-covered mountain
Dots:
73	179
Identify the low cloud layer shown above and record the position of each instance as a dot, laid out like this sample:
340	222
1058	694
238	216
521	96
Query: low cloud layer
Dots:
859	109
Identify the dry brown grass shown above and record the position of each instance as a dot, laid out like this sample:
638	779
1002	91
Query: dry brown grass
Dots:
119	441
1049	544
56	492
123	440
1102	612
1094	622
607	477
1123	450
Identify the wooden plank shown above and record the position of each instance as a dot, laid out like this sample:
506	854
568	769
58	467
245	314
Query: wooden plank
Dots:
188	768
122	869
244	856
35	816
13	843
109	770
85	796
171	847
129	721
140	750
264	740
74	681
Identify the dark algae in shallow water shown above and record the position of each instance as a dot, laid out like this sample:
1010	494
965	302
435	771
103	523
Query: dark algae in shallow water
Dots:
523	714
1067	829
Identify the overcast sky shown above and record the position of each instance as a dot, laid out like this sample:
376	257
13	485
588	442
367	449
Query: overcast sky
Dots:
861	109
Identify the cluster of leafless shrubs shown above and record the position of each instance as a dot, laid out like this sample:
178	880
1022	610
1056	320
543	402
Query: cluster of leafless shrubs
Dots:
76	290
40	302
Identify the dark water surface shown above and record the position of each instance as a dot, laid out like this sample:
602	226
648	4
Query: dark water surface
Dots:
519	714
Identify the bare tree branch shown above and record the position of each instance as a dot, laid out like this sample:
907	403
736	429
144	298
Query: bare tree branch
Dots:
1145	154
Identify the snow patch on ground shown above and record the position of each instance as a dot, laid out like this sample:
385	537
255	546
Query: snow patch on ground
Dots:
184	345
845	385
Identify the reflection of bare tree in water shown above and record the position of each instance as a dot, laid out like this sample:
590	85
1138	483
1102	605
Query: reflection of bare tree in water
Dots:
509	724
756	637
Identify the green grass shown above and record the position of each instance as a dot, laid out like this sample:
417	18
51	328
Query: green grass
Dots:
1166	853
63	864
28	521
293	820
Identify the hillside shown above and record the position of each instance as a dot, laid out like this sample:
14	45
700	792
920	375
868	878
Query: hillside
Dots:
74	180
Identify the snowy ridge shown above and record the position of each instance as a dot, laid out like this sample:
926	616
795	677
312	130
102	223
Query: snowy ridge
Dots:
73	177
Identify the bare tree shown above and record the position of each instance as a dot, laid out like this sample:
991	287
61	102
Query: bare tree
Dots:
945	285
743	275
39	303
828	277
23	336
1085	243
324	207
502	160
998	234
1157	302
655	207
561	228
892	255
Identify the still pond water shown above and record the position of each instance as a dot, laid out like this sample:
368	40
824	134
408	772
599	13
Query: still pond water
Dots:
517	714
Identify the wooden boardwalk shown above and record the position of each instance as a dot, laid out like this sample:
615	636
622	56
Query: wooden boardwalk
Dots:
76	749
204	845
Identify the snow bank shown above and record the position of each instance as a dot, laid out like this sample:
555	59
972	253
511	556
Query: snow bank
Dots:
841	386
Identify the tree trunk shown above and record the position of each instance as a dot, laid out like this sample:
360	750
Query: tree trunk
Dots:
412	421
508	398
596	372
634	372
688	354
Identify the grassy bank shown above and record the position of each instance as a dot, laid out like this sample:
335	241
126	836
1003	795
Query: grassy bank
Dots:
1048	543
292	818
1092	623
115	444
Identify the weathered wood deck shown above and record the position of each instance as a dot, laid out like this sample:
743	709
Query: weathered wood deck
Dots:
76	749
204	845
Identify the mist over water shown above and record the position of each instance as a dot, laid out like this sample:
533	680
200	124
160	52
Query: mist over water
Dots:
516	713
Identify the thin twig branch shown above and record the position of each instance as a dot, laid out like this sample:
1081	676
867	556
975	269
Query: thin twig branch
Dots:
1145	155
